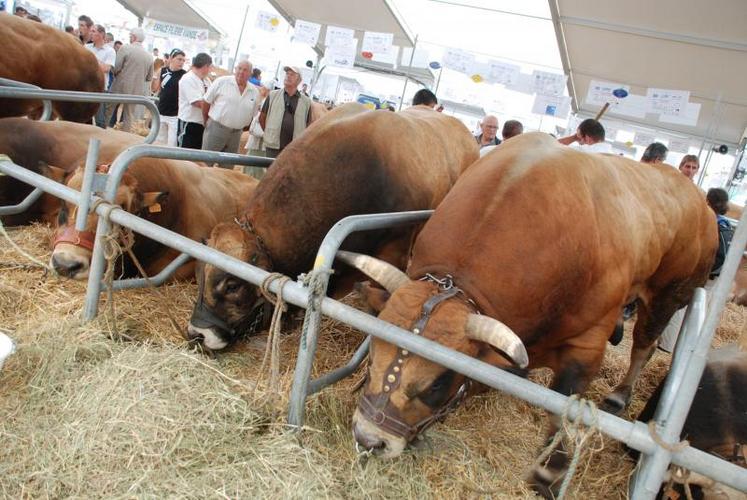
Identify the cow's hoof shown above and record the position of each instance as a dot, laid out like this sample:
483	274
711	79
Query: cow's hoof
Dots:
614	404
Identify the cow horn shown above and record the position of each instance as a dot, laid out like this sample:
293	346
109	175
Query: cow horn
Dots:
493	332
381	272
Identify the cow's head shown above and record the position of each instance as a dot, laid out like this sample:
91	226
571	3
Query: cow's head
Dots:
405	393
71	255
228	307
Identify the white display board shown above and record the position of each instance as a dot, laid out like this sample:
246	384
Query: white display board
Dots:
306	32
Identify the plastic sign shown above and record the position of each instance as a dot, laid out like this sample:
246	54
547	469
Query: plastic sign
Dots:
434	65
477	78
367	55
620	93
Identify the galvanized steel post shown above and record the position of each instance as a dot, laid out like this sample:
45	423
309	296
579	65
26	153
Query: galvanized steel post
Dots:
323	267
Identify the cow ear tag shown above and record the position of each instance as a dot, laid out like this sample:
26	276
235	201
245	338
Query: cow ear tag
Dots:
154	208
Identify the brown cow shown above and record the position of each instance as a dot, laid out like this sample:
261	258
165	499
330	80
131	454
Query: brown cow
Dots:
51	59
352	161
553	243
178	195
34	144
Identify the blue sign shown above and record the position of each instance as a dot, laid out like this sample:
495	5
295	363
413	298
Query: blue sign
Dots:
620	93
434	64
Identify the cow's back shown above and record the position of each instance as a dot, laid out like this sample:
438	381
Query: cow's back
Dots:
61	144
355	161
51	59
564	235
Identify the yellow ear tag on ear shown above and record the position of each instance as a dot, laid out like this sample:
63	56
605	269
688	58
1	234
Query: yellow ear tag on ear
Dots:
154	208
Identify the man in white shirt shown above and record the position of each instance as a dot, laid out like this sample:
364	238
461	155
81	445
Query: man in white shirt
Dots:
590	137
106	58
192	88
230	104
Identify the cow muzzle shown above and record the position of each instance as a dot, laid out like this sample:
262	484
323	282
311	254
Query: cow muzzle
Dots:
72	252
372	438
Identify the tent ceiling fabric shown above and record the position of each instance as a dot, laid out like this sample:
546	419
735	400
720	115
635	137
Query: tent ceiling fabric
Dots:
172	11
369	15
670	44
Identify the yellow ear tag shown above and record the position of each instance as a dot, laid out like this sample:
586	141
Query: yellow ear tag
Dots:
154	208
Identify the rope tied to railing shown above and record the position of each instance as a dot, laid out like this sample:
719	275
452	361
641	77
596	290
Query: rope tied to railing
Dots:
577	433
272	349
316	281
121	240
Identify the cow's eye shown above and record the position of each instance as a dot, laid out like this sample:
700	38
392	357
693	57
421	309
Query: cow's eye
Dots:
435	395
62	216
254	259
232	286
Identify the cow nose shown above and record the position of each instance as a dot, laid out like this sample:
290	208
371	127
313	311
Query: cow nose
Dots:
66	267
193	335
368	442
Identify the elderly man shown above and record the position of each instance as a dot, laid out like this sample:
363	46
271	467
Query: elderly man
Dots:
106	57
285	114
230	104
489	128
132	72
656	152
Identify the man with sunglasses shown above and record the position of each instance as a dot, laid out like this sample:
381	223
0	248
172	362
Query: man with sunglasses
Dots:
285	114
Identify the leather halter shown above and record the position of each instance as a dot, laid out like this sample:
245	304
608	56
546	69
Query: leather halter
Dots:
83	239
378	409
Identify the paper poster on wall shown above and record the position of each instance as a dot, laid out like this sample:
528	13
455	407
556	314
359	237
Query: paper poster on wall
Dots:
267	21
557	106
523	84
666	101
503	73
459	60
689	117
306	32
600	93
643	139
341	55
338	37
376	43
633	106
610	130
679	145
546	83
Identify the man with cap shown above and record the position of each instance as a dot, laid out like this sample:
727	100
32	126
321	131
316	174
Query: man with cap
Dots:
285	114
133	70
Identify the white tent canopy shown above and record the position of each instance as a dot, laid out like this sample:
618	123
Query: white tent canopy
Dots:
172	11
670	44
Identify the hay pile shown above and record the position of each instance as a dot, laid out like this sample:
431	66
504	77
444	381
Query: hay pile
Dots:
85	413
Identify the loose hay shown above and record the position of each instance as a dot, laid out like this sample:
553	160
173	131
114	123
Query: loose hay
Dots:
86	415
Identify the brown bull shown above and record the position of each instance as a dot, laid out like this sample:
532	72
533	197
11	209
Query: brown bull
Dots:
352	161
178	195
553	243
51	59
34	145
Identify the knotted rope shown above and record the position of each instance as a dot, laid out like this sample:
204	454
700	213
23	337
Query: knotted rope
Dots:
577	433
678	474
272	350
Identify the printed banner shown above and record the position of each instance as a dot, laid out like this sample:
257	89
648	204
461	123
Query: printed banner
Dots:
267	21
163	29
377	43
306	32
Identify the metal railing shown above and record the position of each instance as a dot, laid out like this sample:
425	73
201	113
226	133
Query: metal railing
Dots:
47	112
100	97
323	268
634	434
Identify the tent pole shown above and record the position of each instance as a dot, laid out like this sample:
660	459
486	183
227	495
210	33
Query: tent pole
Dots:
407	73
708	137
241	35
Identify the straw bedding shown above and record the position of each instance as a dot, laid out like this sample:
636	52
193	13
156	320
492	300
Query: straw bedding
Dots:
126	408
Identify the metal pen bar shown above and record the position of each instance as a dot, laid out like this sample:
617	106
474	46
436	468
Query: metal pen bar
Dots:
646	481
323	262
100	97
92	157
116	171
342	372
47	113
32	197
634	434
156	280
